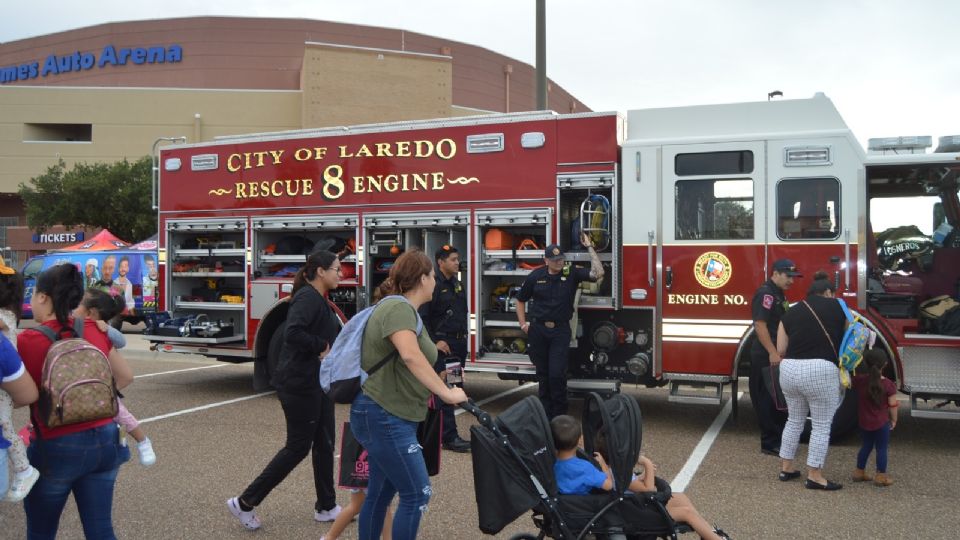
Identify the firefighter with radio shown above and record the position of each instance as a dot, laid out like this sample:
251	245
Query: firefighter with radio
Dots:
768	306
445	318
550	290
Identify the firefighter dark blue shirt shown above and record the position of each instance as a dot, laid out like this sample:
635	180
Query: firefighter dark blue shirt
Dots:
769	304
445	316
551	295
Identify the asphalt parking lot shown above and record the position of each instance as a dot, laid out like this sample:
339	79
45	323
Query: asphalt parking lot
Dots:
212	435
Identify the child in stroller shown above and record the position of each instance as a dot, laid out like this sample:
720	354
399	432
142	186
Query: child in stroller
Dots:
513	464
679	506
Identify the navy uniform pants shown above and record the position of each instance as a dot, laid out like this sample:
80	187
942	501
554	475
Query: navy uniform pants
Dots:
769	419
549	350
458	351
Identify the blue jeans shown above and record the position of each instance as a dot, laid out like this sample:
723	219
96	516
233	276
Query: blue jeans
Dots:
880	439
396	466
84	463
4	472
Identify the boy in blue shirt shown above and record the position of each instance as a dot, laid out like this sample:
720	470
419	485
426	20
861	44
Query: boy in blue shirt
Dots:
576	476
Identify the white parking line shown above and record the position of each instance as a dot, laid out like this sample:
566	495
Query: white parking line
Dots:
204	407
689	469
178	371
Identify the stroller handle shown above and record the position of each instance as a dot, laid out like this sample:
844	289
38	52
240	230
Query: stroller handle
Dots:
482	416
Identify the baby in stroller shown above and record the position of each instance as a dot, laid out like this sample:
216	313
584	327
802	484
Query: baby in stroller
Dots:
513	463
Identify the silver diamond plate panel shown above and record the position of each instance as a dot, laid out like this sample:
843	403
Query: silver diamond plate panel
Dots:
931	369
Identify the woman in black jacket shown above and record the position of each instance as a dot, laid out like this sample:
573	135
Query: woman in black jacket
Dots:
311	327
808	337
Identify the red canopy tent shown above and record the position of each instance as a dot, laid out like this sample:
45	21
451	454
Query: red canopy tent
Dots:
102	241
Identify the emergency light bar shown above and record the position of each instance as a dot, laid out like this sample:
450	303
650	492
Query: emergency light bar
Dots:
806	156
900	145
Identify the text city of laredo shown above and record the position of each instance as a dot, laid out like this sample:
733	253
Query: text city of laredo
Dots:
333	183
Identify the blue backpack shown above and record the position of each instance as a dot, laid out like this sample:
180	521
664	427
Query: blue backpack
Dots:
855	341
341	376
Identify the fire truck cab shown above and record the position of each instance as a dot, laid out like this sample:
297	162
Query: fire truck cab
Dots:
688	208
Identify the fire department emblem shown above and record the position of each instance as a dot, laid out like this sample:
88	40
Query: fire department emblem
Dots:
713	270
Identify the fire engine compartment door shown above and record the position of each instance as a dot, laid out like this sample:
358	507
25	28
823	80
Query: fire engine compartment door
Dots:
711	253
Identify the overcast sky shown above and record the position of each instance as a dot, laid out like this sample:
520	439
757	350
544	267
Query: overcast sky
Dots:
891	68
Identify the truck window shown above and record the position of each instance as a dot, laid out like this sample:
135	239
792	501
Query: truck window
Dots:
32	268
713	163
714	209
808	208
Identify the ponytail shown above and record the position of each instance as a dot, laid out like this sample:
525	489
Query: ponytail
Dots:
875	360
63	283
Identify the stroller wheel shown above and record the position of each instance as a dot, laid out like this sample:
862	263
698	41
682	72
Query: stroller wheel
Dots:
523	536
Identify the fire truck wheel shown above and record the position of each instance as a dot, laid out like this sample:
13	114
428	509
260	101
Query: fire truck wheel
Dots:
273	350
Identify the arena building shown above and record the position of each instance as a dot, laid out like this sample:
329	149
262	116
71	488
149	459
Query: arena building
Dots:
109	92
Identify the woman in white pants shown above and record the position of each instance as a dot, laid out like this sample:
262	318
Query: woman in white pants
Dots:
807	340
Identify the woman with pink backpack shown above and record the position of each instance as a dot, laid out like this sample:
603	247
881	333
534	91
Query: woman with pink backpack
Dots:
81	458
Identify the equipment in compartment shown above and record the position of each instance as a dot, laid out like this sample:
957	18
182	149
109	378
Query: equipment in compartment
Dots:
203	327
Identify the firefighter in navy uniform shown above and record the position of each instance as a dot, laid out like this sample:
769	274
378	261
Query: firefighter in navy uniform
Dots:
445	318
768	306
550	291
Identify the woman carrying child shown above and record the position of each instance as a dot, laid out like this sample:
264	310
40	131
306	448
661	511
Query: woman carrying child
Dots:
102	306
15	391
82	458
877	415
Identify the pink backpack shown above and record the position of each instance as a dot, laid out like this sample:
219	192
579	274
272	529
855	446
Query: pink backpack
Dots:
76	384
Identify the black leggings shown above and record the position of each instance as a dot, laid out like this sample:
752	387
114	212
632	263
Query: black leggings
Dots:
310	425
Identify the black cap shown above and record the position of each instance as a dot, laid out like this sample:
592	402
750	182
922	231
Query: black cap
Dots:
553	251
786	266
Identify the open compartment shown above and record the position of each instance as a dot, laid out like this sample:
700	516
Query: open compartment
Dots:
281	245
387	236
207	280
511	245
588	202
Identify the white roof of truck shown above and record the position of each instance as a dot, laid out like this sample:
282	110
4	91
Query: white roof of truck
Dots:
733	121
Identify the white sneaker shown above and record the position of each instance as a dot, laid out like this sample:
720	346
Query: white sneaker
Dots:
147	456
21	484
327	515
248	519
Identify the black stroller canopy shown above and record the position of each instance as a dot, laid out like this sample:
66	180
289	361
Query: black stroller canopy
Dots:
504	490
619	418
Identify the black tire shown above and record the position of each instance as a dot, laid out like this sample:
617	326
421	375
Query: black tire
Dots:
523	536
273	350
845	420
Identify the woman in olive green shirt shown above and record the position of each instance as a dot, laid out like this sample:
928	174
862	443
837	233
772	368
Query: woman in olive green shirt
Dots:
384	416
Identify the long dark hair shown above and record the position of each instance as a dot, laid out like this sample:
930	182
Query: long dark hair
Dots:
11	293
875	360
108	304
320	259
821	284
63	283
407	269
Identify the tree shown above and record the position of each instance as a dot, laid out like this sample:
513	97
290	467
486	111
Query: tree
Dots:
113	196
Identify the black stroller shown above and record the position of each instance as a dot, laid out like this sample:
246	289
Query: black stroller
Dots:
513	458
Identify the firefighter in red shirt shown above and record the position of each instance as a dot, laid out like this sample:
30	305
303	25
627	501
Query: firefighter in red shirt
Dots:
768	306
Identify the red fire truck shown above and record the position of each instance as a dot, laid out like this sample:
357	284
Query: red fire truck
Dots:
688	206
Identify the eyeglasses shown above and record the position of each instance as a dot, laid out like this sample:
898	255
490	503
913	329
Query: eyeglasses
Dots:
336	269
